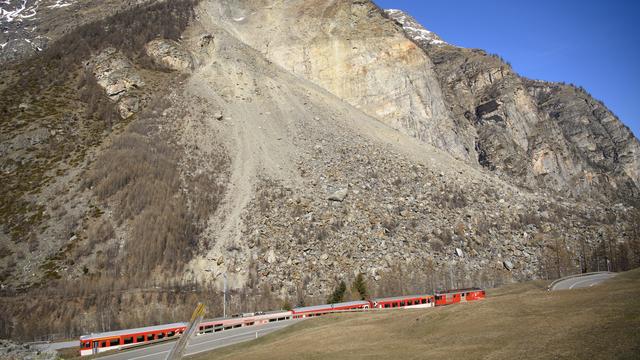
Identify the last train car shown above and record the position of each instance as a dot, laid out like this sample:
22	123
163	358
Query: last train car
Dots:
113	340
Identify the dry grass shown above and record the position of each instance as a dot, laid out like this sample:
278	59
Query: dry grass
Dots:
516	321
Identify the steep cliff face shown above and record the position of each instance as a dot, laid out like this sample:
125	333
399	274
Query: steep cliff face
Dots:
535	133
352	50
599	139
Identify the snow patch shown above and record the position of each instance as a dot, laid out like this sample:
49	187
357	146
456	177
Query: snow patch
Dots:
21	11
26	9
413	29
61	4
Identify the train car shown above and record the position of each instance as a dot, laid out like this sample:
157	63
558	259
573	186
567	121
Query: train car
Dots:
459	295
317	310
112	340
260	318
406	301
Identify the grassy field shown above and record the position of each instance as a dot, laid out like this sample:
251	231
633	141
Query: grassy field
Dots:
521	321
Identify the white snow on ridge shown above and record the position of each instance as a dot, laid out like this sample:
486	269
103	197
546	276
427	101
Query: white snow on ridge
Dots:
413	29
20	12
25	9
60	3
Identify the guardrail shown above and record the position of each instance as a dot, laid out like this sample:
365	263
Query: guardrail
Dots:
554	282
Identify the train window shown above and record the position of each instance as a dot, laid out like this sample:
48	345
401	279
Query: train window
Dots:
424	301
386	306
114	342
402	303
140	338
171	333
103	344
128	340
160	336
150	337
87	345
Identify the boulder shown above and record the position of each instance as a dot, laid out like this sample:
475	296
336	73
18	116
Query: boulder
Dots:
128	106
338	195
271	256
170	54
115	73
507	265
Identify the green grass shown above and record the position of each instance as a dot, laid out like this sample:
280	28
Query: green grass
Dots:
514	322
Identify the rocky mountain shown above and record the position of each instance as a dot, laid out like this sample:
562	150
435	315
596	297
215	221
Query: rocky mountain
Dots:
567	141
151	148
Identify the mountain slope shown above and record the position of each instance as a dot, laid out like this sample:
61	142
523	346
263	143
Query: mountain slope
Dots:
287	145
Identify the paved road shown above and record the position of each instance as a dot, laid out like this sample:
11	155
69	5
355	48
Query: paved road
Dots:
201	343
582	281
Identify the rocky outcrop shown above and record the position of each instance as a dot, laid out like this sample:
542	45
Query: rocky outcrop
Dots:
170	54
116	74
532	132
595	133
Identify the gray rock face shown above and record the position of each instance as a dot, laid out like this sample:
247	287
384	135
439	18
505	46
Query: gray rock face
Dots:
533	133
592	131
171	54
115	73
362	57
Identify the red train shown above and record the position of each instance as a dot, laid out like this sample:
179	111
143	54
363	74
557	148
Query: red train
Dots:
121	339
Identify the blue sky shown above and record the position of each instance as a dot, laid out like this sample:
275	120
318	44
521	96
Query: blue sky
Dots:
594	44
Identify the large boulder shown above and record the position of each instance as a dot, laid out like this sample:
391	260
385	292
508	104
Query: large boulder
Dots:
338	195
169	54
115	73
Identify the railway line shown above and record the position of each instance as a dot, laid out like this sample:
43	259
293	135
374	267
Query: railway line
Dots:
159	335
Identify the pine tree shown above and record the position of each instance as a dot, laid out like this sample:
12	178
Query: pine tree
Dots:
338	294
360	285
